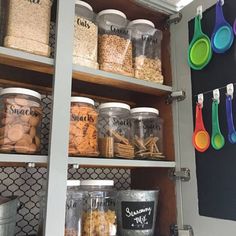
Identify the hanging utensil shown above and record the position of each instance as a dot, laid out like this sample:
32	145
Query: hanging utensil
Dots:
235	26
223	36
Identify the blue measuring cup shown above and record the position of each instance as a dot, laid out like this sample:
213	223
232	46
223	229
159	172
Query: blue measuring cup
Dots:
223	36
230	122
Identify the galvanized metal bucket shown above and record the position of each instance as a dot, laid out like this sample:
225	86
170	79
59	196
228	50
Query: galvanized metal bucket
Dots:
8	211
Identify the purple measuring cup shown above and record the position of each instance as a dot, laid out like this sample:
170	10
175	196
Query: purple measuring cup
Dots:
234	27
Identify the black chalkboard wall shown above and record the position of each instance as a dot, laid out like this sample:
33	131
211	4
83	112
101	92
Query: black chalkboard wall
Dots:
216	170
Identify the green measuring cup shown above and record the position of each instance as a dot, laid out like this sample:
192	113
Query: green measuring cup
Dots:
199	51
217	139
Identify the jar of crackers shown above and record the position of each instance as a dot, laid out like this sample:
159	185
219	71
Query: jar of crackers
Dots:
20	117
99	216
83	127
114	130
147	132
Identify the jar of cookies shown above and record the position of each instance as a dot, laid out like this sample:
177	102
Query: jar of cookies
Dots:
99	216
114	130
20	117
147	132
83	127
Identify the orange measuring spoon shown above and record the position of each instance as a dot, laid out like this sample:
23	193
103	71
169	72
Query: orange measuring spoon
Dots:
201	138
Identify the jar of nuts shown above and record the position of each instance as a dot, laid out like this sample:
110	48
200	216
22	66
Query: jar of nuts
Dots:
99	216
20	117
85	36
83	127
114	130
146	133
146	50
114	44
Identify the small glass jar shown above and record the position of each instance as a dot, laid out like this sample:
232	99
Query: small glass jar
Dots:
114	130
20	117
147	132
83	127
99	217
114	44
146	41
85	36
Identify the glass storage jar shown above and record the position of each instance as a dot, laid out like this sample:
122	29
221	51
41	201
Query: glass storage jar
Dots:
83	127
99	217
147	132
85	36
146	41
114	130
20	117
114	44
28	26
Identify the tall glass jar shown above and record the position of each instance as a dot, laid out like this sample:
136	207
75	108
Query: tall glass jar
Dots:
147	132
99	217
114	130
85	36
20	117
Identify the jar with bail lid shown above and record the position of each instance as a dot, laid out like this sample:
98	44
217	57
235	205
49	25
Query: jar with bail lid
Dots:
85	36
114	44
147	132
114	130
20	117
146	41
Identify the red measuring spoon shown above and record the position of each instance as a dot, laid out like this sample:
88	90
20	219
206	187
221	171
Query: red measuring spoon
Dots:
201	138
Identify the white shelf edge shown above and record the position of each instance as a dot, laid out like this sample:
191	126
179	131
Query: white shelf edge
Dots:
91	161
20	158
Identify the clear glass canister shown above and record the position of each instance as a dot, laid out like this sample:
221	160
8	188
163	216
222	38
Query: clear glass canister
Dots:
147	132
114	130
115	46
99	217
20	117
146	41
83	127
85	36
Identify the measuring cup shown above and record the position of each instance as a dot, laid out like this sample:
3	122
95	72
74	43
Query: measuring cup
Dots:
230	123
217	139
199	51
235	26
200	139
223	36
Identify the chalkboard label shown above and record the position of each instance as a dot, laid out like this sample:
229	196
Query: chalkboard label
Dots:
137	215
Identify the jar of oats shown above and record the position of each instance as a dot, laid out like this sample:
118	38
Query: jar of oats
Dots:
20	117
114	44
28	26
146	41
114	130
83	127
85	36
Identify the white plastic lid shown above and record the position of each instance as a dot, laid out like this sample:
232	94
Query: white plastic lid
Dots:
83	100
20	91
114	105
144	109
111	11
141	21
73	183
97	182
84	4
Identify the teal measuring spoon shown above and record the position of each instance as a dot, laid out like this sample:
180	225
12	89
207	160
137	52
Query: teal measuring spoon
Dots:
217	139
230	122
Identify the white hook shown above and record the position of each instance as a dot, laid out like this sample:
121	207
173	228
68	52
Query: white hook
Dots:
76	166
216	95
199	11
31	165
200	99
230	90
222	2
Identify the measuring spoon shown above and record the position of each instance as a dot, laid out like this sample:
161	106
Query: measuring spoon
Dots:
199	50
223	36
200	138
230	123
217	139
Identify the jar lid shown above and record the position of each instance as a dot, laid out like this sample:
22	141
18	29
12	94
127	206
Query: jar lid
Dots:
111	11
20	91
73	183
114	105
84	4
97	182
144	109
142	21
83	100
